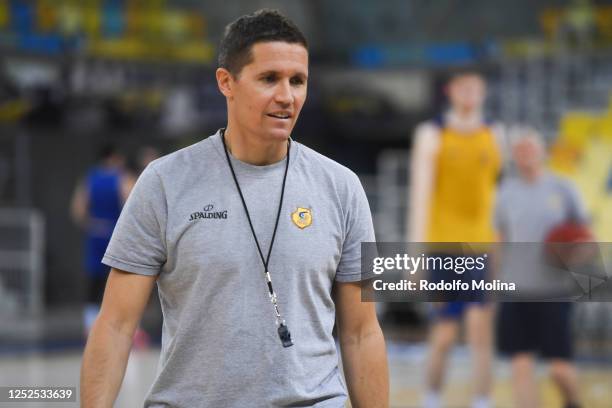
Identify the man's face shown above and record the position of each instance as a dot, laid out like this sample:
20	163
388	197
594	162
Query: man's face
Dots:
266	97
467	92
528	155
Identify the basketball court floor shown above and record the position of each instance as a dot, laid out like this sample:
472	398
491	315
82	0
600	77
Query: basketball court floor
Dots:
406	366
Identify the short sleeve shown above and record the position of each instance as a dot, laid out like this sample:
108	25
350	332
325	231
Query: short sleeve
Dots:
138	242
358	229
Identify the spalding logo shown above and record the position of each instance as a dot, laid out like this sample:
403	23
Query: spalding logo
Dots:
302	217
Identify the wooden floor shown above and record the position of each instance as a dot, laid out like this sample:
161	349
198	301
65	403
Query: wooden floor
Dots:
407	362
406	365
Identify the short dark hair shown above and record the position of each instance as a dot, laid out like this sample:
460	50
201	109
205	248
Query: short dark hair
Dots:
106	151
262	26
464	71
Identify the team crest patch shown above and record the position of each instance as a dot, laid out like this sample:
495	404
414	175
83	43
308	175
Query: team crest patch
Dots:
302	217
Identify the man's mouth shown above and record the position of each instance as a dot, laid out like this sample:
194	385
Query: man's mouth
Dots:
280	115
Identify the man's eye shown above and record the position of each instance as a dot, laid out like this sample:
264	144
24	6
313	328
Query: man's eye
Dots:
297	81
269	78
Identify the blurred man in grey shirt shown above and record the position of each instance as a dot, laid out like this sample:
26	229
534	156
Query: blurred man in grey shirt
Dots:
528	208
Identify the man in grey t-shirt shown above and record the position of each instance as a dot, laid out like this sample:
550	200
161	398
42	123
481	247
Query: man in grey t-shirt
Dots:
254	241
528	208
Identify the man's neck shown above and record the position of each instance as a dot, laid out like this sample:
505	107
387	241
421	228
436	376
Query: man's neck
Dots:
465	120
249	150
532	175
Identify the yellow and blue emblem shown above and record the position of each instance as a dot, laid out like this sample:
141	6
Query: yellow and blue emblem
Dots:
302	217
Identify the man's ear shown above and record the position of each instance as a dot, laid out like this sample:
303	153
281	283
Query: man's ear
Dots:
225	82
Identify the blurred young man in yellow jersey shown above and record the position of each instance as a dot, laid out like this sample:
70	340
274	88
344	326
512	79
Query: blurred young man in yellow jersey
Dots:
455	164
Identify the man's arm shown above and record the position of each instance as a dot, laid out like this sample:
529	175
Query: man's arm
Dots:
110	339
362	346
79	204
422	174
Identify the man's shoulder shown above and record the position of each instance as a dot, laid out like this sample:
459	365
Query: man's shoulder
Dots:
557	178
431	126
559	182
509	186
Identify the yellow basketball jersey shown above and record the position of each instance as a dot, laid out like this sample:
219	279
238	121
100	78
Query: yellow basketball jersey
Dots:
463	195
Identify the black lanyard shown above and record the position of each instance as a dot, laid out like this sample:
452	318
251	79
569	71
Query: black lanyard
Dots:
283	330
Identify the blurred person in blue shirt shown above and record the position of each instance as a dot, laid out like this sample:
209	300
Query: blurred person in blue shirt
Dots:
96	205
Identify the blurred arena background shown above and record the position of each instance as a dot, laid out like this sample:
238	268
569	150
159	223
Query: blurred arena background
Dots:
77	74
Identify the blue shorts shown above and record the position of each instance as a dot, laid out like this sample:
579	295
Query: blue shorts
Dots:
543	328
453	310
455	302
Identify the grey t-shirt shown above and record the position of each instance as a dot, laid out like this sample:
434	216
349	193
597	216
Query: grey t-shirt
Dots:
526	212
184	221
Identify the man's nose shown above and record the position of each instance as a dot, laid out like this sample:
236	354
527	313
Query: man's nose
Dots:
283	93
